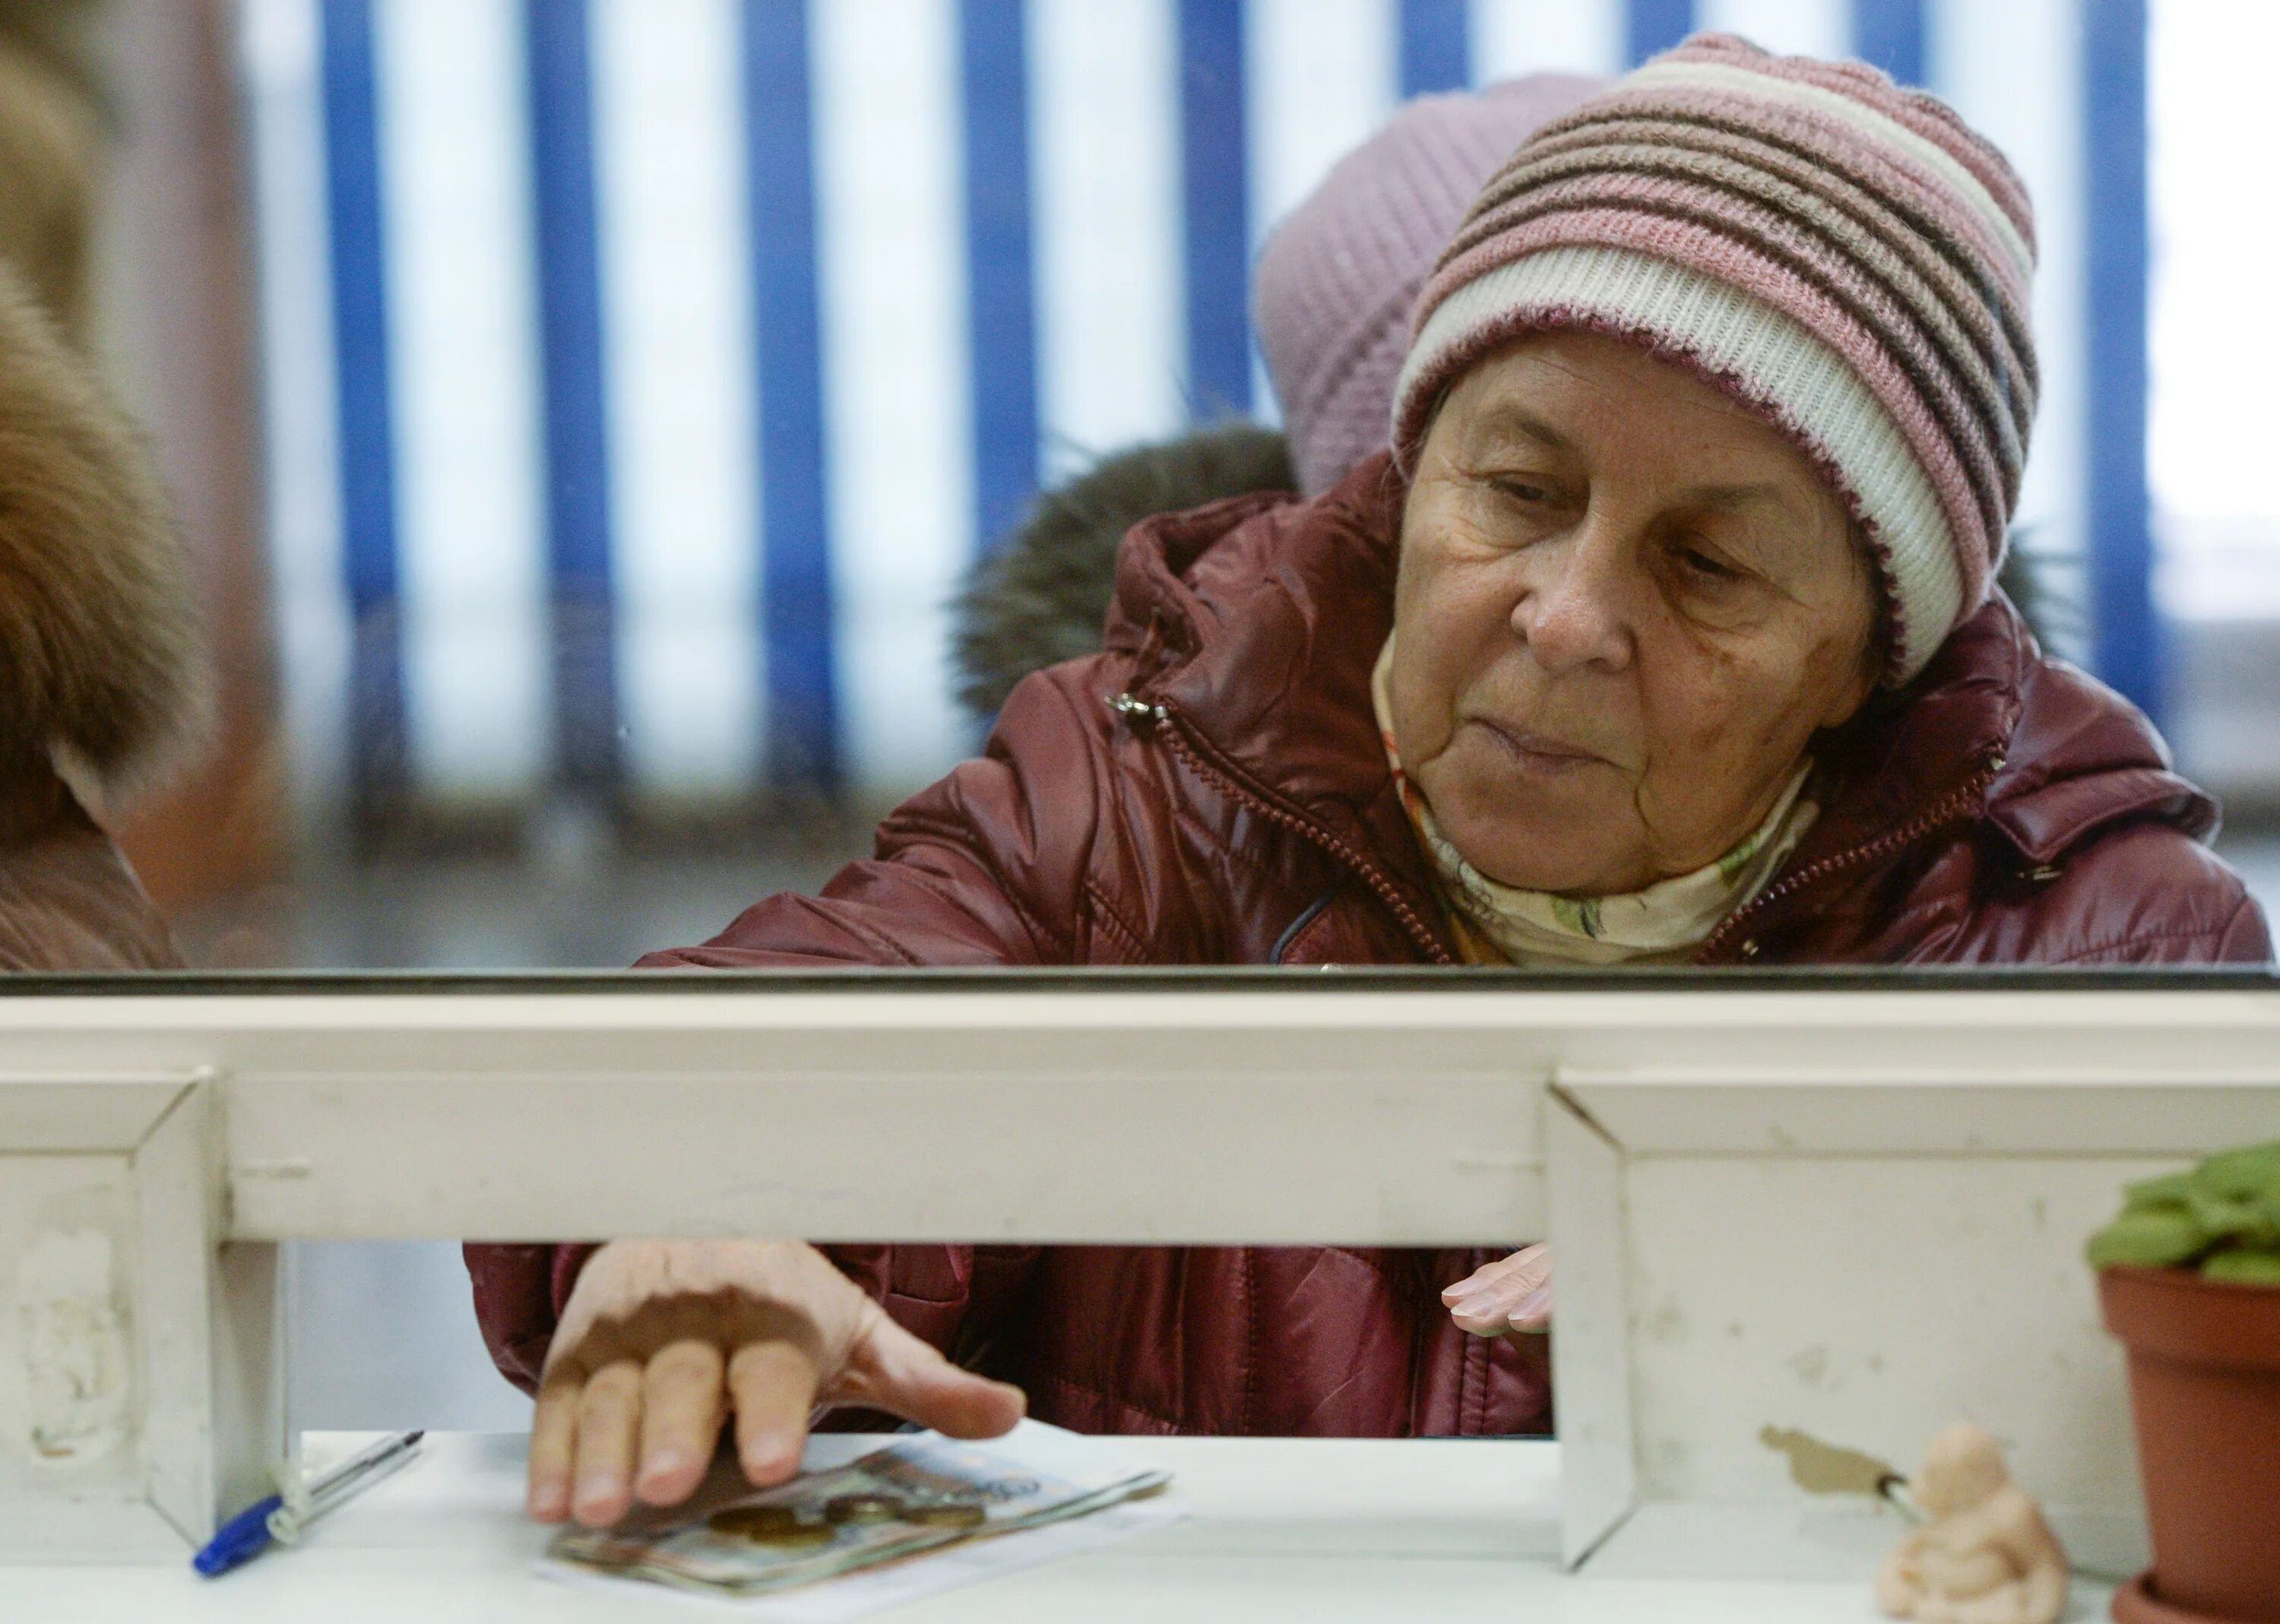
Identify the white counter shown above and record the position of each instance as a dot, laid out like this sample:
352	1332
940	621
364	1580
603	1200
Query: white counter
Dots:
1320	1529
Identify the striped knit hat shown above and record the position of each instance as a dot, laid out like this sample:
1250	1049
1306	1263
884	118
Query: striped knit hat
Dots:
1844	258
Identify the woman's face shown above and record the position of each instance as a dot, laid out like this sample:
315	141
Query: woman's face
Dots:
1624	607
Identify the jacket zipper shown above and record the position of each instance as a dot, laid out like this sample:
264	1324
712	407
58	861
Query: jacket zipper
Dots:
1189	748
1952	807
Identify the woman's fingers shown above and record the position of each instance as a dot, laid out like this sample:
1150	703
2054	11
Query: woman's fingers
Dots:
609	1422
1481	1316
1533	1312
674	1332
553	1445
772	1384
1530	1263
680	1408
1510	1294
895	1371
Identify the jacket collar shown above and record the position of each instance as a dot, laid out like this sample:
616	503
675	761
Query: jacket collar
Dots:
1258	618
2063	756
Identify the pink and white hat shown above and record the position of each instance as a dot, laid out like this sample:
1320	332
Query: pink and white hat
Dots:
1341	274
1846	259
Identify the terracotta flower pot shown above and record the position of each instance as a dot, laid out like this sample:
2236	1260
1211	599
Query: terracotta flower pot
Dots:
2204	1389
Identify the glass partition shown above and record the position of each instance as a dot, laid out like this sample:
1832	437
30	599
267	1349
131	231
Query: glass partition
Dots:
641	383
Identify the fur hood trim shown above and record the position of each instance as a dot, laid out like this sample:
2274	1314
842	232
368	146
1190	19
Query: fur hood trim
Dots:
99	656
1041	595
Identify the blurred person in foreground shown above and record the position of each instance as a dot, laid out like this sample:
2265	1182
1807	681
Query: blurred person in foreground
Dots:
99	671
98	656
1663	634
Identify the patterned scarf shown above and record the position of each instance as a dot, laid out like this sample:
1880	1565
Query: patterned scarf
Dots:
1663	924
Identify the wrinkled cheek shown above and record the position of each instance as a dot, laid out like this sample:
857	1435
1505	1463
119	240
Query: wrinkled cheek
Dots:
1420	706
1720	758
1732	713
1433	662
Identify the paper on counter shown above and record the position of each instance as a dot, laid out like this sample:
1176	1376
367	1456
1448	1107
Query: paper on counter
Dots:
1042	1485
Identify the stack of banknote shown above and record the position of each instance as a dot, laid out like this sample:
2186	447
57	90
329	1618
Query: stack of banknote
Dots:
915	1495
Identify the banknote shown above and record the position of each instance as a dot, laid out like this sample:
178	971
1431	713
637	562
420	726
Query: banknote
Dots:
917	1494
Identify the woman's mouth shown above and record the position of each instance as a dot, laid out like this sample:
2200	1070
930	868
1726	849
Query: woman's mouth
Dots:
1536	753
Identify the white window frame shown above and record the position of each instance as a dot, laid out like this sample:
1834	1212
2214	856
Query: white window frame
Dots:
1399	1109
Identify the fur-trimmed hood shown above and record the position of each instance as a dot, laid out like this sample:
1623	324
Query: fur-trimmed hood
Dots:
99	659
1041	595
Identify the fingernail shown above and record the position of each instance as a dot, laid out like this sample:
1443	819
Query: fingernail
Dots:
771	1451
665	1463
596	1490
546	1498
1534	1307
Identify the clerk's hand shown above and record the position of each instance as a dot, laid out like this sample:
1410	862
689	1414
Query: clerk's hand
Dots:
1511	1294
662	1342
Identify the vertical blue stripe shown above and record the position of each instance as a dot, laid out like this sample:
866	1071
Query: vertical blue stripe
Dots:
1436	41
2126	639
1891	34
1656	25
1001	302
787	321
556	41
368	459
1216	198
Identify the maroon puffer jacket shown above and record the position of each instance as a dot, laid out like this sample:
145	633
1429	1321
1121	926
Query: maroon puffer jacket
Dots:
1210	789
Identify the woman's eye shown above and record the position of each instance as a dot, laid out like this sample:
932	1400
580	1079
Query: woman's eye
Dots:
1703	566
1523	490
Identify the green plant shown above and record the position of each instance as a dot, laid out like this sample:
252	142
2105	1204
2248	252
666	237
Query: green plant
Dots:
2222	1218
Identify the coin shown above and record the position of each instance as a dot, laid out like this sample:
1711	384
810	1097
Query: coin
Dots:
753	1518
862	1508
947	1514
770	1524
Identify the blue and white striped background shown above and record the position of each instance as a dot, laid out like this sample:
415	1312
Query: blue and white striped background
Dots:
644	373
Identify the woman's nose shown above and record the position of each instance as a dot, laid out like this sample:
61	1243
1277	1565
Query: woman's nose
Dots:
1571	612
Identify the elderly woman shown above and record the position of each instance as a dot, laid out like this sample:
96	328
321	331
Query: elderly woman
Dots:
1662	634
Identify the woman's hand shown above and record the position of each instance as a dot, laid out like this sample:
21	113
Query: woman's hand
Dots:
1511	1294
662	1341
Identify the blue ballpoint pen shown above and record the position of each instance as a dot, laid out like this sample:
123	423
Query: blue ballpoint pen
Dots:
249	1534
